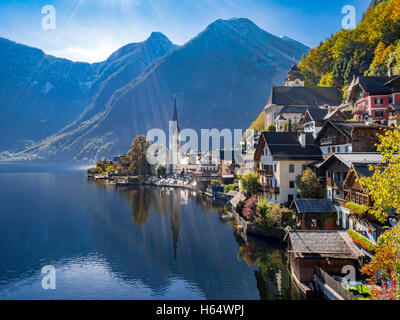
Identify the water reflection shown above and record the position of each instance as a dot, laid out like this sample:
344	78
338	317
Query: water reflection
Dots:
115	243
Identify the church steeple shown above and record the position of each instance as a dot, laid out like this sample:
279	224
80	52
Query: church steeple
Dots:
294	77
175	115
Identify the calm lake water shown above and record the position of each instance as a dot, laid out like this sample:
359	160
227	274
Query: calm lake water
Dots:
143	243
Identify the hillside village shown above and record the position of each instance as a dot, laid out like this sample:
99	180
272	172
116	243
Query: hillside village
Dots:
306	130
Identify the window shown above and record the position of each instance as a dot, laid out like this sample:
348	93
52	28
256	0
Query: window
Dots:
274	167
379	114
378	101
346	149
333	149
338	149
291	184
291	168
290	198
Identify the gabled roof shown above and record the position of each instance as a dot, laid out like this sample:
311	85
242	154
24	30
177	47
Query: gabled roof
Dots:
314	206
377	84
286	146
355	157
395	106
305	96
294	73
345	127
335	244
318	114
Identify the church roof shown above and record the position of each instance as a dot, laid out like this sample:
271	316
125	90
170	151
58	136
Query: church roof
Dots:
294	73
305	96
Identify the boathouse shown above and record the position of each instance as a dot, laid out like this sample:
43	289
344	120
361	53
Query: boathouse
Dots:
328	250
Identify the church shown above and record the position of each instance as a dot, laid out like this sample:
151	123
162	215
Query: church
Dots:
291	101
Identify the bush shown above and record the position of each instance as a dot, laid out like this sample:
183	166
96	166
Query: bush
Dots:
269	214
214	183
361	241
250	208
356	208
231	187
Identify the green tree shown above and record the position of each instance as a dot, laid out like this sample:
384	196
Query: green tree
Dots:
139	164
271	128
308	185
249	183
110	169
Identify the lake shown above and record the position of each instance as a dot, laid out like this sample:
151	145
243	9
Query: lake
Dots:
138	243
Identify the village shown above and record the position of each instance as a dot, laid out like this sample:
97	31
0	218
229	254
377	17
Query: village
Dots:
303	183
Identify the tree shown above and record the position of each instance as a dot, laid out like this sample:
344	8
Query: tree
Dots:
384	188
308	185
271	128
249	183
161	171
139	164
289	125
110	169
384	185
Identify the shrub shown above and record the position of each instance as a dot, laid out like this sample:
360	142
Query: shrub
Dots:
250	208
361	241
214	183
356	208
231	187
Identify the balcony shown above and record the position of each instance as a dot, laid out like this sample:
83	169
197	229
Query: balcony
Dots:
328	141
265	173
268	188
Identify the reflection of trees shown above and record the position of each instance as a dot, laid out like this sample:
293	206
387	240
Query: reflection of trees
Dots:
273	278
140	202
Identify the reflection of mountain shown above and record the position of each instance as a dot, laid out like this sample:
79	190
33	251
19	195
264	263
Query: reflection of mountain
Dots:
74	221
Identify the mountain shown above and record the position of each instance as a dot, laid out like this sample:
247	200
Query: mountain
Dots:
41	94
221	78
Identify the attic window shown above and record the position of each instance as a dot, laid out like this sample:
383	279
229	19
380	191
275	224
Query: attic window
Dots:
378	101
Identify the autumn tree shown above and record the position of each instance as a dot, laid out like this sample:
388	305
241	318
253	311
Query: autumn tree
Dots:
249	183
308	185
139	164
384	188
271	128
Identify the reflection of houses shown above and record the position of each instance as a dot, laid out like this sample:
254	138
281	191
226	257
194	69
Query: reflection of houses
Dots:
371	96
335	169
227	166
344	136
314	119
328	250
315	214
280	157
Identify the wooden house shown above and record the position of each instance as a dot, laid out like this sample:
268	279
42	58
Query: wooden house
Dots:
347	137
315	214
328	250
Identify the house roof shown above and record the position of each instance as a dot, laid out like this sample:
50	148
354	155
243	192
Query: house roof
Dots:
292	109
346	128
305	96
362	169
318	114
359	158
286	146
314	206
334	244
378	84
395	106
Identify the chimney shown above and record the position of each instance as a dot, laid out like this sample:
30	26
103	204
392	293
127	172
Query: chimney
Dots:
302	139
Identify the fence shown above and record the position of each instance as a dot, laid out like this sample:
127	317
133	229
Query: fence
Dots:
333	284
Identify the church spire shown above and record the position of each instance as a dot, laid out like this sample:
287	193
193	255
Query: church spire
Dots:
175	115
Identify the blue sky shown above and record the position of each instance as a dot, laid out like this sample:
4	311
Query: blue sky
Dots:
90	30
